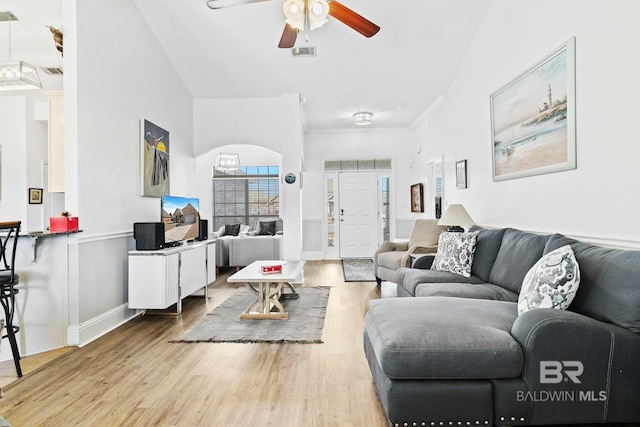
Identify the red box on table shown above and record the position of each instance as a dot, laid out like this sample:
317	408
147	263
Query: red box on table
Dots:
271	269
63	223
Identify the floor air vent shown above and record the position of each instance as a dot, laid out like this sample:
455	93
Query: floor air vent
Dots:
304	51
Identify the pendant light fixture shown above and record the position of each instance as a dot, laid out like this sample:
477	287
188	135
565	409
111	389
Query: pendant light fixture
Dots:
227	162
16	75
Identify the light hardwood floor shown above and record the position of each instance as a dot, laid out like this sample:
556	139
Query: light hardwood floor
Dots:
133	376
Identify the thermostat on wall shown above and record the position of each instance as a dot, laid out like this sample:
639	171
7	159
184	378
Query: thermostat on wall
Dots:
290	178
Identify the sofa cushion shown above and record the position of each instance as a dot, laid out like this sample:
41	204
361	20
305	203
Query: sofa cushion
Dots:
390	259
487	247
518	252
609	282
444	338
466	290
552	282
408	278
455	253
266	228
231	229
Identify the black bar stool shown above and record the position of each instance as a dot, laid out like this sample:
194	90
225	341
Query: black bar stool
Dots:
9	232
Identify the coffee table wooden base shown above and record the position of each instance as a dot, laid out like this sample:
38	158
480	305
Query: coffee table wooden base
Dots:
267	304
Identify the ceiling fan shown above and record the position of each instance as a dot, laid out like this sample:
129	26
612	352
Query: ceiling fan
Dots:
308	15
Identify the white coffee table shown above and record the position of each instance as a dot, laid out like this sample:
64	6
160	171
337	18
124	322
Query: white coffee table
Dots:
269	288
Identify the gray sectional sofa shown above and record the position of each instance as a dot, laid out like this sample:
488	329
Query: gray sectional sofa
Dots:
453	350
246	246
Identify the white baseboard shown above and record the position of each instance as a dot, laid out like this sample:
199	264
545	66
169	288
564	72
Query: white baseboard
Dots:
86	332
308	256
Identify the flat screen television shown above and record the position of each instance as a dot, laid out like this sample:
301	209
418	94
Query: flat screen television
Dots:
181	219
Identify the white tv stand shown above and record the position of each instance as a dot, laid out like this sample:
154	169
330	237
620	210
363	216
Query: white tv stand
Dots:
158	279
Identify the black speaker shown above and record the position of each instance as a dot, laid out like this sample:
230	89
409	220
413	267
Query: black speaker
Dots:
203	232
149	235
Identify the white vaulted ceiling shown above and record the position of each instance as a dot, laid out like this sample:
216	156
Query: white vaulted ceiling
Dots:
233	53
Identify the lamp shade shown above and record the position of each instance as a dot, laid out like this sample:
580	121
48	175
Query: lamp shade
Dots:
456	216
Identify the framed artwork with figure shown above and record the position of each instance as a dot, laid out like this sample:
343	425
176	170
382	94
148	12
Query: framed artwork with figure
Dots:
417	198
154	159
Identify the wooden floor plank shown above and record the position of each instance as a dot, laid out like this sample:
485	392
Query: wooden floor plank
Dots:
134	376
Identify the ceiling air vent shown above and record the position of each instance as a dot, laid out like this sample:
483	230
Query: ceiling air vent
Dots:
53	71
304	51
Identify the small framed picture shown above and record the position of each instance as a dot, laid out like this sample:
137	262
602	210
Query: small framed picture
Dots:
417	199
461	174
35	196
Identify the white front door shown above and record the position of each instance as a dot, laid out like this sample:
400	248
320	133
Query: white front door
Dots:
358	214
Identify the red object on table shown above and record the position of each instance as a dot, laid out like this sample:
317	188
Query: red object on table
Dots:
270	269
63	223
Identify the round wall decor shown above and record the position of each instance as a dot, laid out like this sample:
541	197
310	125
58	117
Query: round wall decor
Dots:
290	178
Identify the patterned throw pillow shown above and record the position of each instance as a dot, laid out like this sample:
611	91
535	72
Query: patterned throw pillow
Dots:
552	282
455	253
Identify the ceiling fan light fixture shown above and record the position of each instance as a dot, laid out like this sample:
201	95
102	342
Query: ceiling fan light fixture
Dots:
294	10
362	118
318	11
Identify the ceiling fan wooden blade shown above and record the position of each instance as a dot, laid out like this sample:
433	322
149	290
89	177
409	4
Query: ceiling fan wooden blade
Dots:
288	38
352	19
220	4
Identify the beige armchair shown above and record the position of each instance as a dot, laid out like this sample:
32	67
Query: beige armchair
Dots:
392	255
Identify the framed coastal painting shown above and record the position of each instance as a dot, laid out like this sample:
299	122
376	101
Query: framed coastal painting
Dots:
533	119
417	198
154	156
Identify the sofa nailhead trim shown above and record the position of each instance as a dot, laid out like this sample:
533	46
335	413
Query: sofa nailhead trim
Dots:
443	423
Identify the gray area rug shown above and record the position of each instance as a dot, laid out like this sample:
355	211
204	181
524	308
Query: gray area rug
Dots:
358	270
304	325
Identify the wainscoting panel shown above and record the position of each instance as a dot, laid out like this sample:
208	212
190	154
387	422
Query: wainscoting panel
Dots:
98	285
312	238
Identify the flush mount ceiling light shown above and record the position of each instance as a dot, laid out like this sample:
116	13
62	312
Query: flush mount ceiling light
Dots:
16	75
227	161
362	118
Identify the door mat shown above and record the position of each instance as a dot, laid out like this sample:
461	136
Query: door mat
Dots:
358	270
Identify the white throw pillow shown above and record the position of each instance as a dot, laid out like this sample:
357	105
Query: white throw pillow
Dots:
552	282
455	253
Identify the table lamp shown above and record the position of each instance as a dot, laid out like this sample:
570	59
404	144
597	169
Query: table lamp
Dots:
456	216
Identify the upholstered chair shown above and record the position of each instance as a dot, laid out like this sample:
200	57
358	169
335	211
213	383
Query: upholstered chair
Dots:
392	255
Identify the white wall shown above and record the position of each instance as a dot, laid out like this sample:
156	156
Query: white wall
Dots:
272	123
116	74
597	200
13	158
